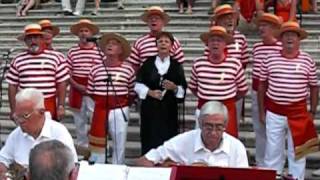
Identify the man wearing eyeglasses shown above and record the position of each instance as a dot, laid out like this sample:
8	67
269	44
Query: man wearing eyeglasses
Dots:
209	145
33	127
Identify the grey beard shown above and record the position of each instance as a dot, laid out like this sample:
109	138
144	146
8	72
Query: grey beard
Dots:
34	48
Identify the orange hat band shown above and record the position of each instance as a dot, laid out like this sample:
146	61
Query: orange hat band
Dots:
32	31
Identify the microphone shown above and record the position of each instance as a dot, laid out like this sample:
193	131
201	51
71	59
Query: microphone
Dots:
93	39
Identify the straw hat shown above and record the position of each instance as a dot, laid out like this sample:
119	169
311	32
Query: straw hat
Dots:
47	24
155	10
124	43
294	27
216	31
270	18
222	10
31	29
74	29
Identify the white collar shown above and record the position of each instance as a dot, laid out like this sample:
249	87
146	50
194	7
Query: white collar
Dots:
45	131
223	147
162	66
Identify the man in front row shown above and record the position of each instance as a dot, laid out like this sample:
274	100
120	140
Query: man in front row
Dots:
52	160
209	145
34	127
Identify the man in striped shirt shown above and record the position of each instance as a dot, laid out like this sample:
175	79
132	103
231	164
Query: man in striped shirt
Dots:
38	68
267	24
145	46
111	86
225	16
287	78
217	76
81	58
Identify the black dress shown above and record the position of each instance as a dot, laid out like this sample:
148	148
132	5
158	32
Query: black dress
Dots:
159	118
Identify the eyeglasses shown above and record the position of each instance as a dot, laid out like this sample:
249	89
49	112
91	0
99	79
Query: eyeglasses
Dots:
23	117
213	127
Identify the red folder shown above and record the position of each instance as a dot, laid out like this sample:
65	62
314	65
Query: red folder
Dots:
220	173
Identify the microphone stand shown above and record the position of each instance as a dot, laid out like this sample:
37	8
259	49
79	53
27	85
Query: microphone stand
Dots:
109	81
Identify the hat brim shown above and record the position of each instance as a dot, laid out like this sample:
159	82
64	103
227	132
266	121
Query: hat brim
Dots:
301	32
145	16
205	37
217	16
274	22
124	43
74	29
21	37
55	30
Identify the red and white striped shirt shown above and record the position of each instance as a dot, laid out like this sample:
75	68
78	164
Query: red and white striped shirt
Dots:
238	49
122	76
80	60
146	46
217	81
260	51
288	79
42	71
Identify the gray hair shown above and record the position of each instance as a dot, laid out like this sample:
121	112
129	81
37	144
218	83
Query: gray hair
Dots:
213	107
50	160
31	94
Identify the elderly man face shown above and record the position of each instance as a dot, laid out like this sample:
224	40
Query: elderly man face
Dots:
216	45
266	29
84	33
28	117
228	22
35	43
212	127
113	48
290	41
155	23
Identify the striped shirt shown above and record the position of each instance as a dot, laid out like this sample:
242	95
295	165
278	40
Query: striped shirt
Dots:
146	46
238	49
42	71
80	60
288	79
123	77
217	81
260	52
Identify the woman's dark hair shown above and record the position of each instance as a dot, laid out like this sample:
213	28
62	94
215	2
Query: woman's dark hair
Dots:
165	34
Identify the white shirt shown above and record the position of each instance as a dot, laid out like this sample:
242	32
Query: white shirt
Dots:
162	67
19	143
188	148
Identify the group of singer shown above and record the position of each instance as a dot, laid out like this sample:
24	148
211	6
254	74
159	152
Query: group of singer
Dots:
106	77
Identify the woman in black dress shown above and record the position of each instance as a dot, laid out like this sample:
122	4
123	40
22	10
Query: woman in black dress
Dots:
161	85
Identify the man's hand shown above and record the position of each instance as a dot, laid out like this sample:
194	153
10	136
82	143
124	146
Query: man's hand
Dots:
60	112
157	94
262	117
169	85
3	171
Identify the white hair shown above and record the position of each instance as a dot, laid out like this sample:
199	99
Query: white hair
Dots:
31	94
213	107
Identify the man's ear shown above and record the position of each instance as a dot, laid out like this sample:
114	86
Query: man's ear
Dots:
74	173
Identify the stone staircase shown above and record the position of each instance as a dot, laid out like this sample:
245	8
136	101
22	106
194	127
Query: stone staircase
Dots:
127	22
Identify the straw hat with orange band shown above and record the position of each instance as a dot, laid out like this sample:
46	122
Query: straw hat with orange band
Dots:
155	10
31	29
269	18
46	24
74	29
216	31
221	11
292	26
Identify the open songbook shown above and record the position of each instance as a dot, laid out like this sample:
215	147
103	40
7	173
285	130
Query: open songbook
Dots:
121	172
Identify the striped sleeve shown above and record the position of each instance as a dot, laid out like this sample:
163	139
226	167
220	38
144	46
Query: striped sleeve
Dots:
177	51
241	79
134	55
90	86
12	76
313	79
245	52
264	70
132	83
193	83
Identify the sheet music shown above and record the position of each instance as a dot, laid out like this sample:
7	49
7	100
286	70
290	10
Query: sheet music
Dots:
102	171
121	172
141	173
